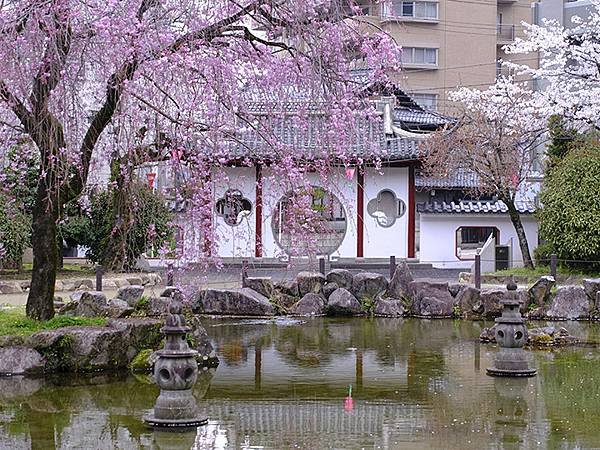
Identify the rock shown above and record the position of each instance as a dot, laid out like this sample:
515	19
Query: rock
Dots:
109	285
488	334
131	294
288	287
539	293
136	281
76	296
435	307
199	337
11	341
536	337
85	283
328	288
10	287
570	302
389	308
400	282
468	300
342	303
366	286
341	277
243	302
20	361
121	282
59	286
262	285
139	332
464	277
431	299
310	282
91	304
25	284
157	306
591	287
284	301
310	305
490	301
118	308
69	285
455	288
169	291
144	361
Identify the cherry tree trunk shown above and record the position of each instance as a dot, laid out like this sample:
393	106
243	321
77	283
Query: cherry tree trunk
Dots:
515	218
40	302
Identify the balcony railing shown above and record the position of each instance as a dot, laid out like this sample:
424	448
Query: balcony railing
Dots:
505	33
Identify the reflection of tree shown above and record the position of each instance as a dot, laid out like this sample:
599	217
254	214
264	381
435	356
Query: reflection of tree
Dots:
571	389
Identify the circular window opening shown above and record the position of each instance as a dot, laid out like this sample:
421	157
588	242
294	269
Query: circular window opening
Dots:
309	220
233	207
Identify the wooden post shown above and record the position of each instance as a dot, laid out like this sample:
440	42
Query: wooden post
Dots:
478	271
322	265
392	266
170	281
244	272
553	263
99	277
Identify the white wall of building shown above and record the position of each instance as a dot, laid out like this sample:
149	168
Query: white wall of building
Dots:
381	241
438	236
239	240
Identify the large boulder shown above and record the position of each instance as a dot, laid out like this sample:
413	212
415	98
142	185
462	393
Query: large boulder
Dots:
388	307
467	301
170	291
431	298
288	287
399	287
262	285
310	282
591	287
539	293
118	308
199	339
490	302
131	294
569	303
341	277
20	361
367	286
90	304
10	287
239	302
342	303
310	305
157	306
329	288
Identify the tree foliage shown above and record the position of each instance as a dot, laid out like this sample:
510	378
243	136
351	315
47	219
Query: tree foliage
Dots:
95	226
15	233
570	216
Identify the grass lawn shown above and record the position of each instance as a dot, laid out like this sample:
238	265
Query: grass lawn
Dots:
14	322
68	271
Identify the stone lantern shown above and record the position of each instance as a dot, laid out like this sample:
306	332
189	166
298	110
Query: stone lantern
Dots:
511	336
175	372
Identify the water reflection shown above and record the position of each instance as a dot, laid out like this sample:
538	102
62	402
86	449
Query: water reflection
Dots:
415	384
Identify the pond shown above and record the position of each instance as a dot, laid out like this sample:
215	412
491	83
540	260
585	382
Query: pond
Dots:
285	383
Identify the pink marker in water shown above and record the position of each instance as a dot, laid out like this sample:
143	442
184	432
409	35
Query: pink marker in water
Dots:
348	402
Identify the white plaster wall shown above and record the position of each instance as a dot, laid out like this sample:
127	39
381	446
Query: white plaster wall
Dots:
337	183
239	240
438	236
380	241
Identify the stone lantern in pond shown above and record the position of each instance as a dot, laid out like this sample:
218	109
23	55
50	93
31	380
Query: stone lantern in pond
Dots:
511	336
175	372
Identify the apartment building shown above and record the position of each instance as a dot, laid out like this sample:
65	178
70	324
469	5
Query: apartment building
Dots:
449	44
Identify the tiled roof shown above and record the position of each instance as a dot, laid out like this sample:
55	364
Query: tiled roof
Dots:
473	207
459	179
418	116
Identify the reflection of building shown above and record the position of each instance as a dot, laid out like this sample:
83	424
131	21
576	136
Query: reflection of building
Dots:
362	210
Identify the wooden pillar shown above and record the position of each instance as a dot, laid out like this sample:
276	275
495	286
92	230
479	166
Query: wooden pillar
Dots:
411	212
259	213
360	207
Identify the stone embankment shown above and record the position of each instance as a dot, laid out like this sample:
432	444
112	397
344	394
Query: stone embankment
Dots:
340	293
130	338
77	284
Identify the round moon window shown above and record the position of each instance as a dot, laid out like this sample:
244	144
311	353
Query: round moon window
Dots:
317	207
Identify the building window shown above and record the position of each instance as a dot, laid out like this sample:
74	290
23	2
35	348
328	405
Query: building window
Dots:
470	239
420	56
386	208
416	10
427	101
233	207
328	223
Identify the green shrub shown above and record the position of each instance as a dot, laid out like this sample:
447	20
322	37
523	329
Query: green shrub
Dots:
570	216
542	254
15	234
